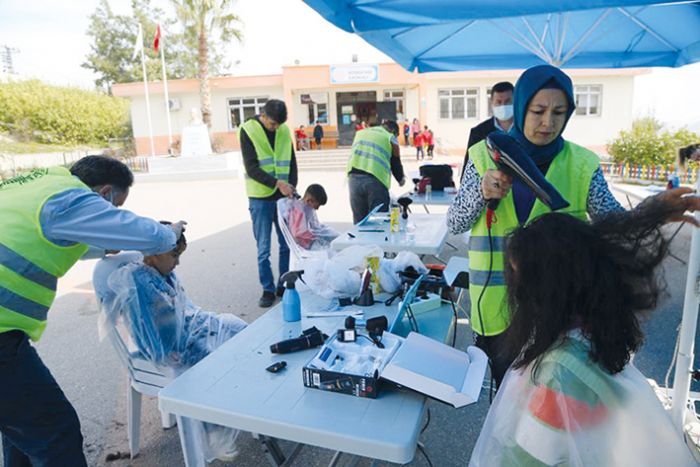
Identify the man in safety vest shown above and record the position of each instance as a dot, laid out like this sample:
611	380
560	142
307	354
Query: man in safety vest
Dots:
271	173
374	158
49	217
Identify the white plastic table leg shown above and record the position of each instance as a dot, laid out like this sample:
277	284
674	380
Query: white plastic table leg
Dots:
191	442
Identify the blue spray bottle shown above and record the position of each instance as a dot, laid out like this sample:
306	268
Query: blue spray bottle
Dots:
291	303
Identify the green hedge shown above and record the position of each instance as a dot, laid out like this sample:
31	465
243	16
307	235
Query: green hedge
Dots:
40	112
647	143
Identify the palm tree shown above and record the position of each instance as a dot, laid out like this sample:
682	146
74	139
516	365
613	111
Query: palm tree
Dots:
203	19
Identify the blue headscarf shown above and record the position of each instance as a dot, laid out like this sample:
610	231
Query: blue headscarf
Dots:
531	81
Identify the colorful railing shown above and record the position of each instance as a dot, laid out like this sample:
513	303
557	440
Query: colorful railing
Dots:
647	172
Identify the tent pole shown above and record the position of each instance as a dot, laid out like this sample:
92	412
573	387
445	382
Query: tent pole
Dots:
523	43
684	363
545	29
460	29
638	22
562	37
574	50
538	41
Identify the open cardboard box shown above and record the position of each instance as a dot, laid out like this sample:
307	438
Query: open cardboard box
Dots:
416	362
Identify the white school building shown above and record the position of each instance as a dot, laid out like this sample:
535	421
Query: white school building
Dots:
450	103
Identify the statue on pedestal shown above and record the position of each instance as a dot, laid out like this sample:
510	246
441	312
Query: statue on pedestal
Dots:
195	136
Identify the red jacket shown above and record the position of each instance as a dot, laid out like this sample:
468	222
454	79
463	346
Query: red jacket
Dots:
427	137
418	140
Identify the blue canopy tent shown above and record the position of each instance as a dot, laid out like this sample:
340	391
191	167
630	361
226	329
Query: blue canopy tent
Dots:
451	35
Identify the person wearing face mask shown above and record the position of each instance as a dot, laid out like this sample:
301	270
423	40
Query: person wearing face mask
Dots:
502	107
49	217
543	103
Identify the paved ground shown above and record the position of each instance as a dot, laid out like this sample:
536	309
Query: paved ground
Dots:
219	272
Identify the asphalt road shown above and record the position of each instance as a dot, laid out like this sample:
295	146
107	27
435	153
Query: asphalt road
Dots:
219	272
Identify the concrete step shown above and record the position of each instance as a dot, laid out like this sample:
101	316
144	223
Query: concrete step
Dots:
334	160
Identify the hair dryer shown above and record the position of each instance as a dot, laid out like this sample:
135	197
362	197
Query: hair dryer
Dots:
512	159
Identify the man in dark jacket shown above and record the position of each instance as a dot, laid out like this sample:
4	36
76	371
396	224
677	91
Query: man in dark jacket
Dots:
502	105
271	169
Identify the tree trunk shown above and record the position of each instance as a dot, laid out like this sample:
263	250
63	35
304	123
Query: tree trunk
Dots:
204	92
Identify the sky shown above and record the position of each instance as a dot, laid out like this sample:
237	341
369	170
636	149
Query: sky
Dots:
50	36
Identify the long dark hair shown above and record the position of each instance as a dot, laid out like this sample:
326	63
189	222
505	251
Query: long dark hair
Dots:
563	273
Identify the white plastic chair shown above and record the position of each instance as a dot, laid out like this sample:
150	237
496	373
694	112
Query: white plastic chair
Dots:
143	376
298	254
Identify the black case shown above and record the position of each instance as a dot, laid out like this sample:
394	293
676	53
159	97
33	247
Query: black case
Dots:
440	176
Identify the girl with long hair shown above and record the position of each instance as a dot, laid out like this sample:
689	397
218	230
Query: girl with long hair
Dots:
577	291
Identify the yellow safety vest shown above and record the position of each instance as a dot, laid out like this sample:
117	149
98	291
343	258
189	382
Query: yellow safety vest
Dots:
30	264
570	172
274	162
371	153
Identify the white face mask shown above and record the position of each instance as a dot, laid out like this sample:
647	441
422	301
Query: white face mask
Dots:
503	112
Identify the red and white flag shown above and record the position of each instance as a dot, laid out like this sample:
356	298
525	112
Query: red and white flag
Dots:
156	39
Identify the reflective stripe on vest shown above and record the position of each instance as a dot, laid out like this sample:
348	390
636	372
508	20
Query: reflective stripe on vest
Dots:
571	172
275	162
371	153
30	264
479	243
20	266
21	305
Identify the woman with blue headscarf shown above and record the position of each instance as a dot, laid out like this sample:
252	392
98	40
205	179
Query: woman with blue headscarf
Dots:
543	103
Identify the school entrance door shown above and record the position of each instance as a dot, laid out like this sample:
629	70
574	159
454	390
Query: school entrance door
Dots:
357	107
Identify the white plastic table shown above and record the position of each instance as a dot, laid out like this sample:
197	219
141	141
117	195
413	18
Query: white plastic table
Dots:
230	387
425	235
435	198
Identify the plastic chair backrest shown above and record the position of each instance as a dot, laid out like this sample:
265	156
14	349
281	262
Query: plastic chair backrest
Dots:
294	247
142	373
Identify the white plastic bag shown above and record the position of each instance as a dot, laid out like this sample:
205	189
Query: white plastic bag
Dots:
338	276
165	326
303	225
389	269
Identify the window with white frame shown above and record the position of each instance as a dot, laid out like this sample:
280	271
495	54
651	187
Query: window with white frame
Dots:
241	109
459	104
318	112
317	105
588	99
399	97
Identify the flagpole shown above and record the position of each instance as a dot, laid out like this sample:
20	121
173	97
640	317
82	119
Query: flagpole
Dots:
145	87
165	90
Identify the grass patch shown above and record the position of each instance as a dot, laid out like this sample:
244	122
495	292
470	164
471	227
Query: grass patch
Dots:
8	146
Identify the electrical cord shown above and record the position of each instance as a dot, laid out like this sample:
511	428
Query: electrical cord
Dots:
481	295
673	360
425	454
375	341
391	299
454	330
412	319
427	422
